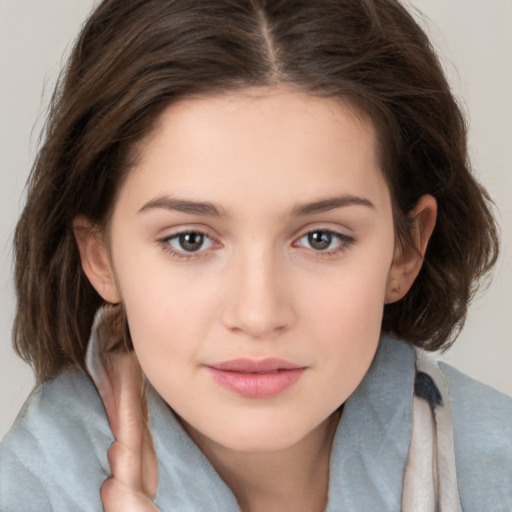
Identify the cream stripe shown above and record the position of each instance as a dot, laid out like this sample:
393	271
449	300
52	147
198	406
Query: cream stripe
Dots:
430	479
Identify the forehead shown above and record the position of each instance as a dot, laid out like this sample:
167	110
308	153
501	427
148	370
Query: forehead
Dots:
274	146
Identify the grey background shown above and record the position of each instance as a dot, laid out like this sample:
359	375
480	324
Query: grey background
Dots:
474	39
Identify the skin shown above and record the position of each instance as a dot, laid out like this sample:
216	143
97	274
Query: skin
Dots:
257	287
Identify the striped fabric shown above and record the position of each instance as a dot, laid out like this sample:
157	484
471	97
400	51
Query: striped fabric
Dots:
430	482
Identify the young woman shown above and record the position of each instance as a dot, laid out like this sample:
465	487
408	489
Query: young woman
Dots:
246	223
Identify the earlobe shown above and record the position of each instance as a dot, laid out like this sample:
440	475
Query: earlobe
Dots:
95	259
408	259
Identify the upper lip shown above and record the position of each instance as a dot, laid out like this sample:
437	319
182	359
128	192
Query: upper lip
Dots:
245	365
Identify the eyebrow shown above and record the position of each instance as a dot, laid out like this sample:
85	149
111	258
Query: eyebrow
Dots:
331	203
185	206
212	210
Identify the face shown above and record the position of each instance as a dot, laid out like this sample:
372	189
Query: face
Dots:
252	247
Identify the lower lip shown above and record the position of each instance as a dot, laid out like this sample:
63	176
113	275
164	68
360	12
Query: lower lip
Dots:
257	385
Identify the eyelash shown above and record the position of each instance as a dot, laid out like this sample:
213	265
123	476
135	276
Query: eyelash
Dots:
184	255
344	243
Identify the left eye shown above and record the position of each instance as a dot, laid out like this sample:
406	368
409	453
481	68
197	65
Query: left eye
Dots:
192	241
323	240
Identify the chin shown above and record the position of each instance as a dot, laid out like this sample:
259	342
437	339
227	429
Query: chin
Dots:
262	443
248	436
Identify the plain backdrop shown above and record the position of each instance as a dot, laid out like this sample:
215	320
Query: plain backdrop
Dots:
474	39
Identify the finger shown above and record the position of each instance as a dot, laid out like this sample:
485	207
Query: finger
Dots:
126	422
119	380
149	464
125	466
124	406
132	457
116	497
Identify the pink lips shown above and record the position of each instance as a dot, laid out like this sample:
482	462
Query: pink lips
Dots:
256	378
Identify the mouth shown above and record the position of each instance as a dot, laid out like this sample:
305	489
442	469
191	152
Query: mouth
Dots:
251	378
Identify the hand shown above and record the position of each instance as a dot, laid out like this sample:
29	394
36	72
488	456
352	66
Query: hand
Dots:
131	457
134	469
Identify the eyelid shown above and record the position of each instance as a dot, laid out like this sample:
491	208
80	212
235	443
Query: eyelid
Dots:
345	241
163	241
181	229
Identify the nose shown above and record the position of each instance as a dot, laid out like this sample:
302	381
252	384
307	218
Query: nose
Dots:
258	302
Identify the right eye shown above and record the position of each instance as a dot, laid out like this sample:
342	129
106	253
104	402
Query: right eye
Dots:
187	242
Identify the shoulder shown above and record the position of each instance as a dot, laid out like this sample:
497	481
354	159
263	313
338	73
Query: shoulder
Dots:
482	420
54	456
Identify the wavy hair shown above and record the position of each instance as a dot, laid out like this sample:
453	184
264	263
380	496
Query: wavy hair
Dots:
134	58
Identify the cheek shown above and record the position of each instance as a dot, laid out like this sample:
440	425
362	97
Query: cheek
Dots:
344	316
170	311
351	297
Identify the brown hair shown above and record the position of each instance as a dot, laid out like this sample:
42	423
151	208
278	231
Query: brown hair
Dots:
133	58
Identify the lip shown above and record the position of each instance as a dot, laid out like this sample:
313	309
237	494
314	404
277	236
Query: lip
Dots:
252	378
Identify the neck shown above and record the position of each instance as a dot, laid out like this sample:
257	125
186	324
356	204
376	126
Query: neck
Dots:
293	479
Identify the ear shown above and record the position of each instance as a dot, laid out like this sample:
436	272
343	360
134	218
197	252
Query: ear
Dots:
408	259
95	259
